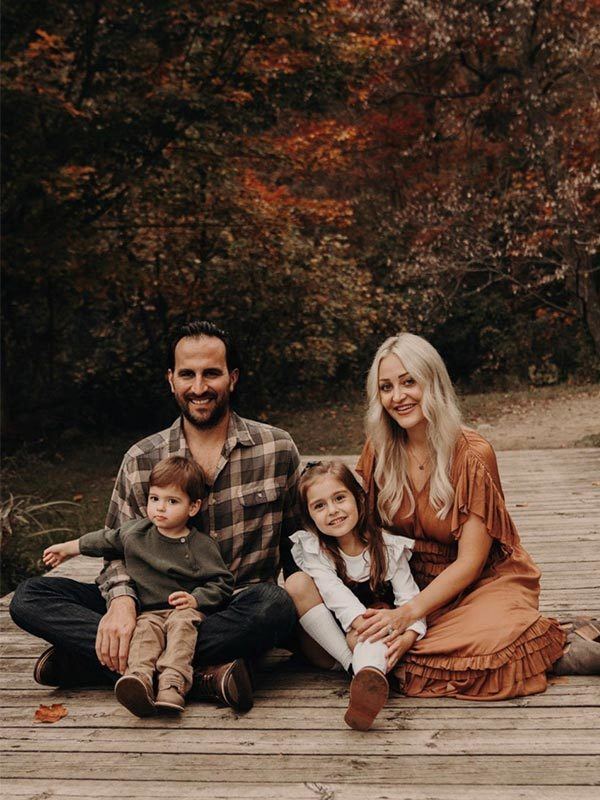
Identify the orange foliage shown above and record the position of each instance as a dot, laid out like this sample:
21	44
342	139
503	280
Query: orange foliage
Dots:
51	47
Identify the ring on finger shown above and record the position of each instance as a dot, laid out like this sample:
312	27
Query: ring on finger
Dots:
390	631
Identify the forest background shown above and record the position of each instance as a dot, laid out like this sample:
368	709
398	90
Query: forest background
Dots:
314	175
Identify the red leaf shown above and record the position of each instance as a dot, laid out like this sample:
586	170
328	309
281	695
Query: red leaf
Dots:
52	713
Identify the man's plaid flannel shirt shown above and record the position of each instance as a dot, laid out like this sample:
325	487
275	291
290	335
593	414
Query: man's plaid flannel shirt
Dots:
250	508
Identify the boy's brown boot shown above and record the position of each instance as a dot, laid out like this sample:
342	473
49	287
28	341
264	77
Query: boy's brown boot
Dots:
170	695
136	693
368	692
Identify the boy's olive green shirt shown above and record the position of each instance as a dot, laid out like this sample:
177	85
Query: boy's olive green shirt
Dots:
160	565
251	508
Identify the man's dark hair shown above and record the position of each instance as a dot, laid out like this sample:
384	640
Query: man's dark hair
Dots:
197	328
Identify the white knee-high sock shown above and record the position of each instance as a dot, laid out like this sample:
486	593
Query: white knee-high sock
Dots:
369	654
321	626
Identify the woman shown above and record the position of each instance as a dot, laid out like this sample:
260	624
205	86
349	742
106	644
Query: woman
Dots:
428	478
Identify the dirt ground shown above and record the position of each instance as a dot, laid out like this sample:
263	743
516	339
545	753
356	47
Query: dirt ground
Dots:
522	419
570	420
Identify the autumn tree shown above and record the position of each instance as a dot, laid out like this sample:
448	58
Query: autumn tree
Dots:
485	116
315	174
142	187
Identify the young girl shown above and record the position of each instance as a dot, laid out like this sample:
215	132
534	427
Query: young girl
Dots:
354	566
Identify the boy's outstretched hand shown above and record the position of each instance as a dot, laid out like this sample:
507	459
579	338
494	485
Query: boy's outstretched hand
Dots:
182	600
57	553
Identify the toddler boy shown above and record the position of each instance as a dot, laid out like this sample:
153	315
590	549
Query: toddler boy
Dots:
180	576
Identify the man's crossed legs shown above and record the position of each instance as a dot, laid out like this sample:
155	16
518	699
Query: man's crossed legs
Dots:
67	613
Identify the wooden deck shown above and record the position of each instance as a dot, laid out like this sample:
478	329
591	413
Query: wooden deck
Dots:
294	743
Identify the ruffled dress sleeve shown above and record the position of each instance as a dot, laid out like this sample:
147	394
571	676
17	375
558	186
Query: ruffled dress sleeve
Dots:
478	491
338	598
399	550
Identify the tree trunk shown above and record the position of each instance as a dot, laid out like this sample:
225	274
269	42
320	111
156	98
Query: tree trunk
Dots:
588	293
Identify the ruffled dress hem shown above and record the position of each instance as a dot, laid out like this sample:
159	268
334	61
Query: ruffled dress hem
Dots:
516	670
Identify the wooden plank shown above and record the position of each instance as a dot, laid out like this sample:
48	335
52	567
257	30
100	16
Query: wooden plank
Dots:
334	743
36	789
285	718
275	768
286	681
309	700
309	685
307	689
277	694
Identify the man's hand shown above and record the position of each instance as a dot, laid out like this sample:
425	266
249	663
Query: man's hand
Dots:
115	632
182	600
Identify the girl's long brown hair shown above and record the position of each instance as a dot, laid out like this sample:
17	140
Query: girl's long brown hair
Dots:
367	533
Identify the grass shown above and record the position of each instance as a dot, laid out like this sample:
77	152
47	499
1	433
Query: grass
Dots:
83	472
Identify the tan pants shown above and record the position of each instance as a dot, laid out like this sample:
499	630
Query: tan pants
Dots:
164	642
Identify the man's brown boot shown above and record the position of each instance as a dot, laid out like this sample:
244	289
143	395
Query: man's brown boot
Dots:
47	670
136	693
57	668
226	683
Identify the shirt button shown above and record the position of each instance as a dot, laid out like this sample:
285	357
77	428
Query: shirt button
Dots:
182	540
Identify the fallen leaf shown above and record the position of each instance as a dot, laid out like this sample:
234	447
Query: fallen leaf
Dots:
50	713
77	498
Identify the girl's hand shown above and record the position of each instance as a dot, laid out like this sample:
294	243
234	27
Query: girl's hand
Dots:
398	645
378	623
57	553
182	600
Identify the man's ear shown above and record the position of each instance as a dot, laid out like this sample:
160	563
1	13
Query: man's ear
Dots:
170	379
195	507
234	376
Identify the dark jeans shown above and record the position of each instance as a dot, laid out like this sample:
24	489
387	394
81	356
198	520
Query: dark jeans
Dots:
66	613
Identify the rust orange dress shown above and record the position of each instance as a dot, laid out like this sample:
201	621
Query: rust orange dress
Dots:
491	642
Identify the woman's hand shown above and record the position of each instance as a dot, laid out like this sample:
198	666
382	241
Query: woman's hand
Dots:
182	600
385	623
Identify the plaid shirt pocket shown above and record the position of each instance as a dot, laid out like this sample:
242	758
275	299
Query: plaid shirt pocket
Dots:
257	520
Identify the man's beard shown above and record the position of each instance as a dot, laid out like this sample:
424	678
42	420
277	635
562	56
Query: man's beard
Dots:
220	408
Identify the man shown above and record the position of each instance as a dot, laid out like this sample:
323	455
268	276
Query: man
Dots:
252	472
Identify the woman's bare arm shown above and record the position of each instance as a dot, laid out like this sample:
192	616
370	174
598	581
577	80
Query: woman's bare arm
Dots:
473	549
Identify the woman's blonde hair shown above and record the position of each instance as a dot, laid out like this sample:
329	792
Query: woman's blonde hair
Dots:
440	408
